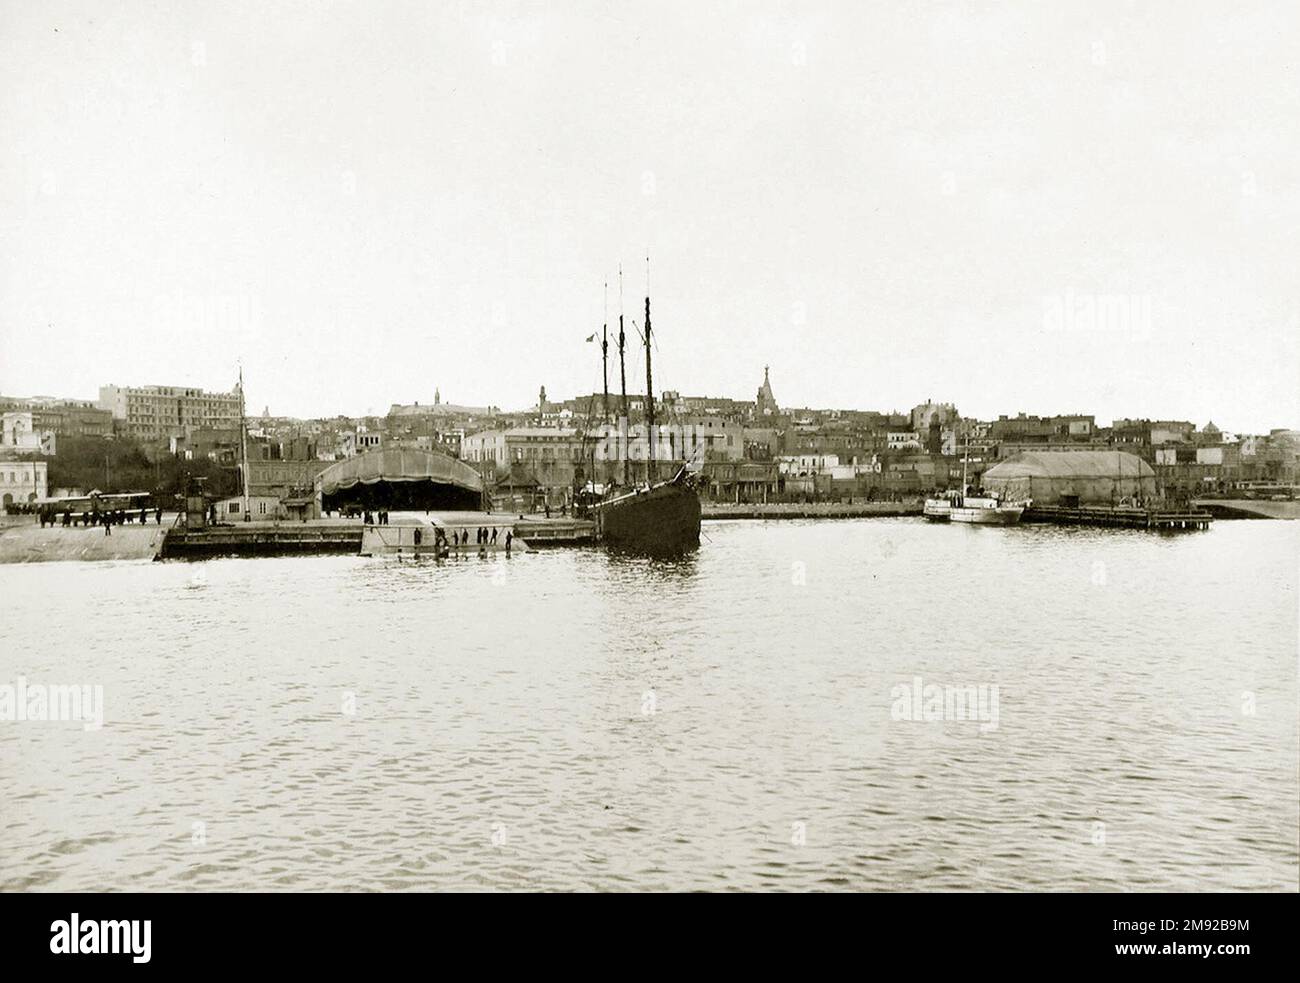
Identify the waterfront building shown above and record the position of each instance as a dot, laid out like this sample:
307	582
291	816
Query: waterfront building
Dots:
150	413
549	459
22	481
207	443
274	486
740	481
1093	477
802	465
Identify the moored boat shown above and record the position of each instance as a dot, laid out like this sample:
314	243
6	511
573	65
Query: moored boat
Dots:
987	510
937	509
978	509
662	519
657	518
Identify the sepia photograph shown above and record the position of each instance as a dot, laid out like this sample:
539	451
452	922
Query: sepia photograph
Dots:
596	447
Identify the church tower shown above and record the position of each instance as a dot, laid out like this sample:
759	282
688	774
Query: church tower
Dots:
765	405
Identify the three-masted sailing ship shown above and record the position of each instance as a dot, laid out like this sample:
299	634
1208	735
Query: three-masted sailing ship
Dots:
660	518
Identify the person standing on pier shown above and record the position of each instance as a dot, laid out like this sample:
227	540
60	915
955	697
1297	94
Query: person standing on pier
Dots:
510	538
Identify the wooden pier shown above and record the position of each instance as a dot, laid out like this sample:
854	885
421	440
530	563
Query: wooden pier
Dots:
262	539
1120	517
555	532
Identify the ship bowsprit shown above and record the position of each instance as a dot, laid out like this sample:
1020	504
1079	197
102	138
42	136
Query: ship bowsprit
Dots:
397	480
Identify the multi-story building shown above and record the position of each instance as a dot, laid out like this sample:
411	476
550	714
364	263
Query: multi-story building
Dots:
152	413
929	413
18	432
545	460
1022	429
22	482
903	440
62	417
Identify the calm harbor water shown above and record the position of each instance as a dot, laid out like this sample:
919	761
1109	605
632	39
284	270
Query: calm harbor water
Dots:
574	720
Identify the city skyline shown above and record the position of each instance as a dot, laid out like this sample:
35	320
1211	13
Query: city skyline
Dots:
506	409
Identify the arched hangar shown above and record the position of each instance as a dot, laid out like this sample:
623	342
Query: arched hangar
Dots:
401	479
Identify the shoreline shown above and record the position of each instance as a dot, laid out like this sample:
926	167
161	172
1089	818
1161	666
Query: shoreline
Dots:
811	510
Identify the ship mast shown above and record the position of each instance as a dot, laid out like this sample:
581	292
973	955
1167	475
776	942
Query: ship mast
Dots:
622	376
604	360
649	395
243	445
965	458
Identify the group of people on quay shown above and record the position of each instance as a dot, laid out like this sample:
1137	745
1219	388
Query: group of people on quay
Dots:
48	515
459	539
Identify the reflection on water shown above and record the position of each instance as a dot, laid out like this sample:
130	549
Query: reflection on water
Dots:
571	719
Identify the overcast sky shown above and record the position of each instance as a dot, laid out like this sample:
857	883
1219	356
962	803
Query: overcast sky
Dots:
1047	207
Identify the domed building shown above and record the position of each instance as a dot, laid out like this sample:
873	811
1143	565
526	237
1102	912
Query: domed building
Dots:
1072	478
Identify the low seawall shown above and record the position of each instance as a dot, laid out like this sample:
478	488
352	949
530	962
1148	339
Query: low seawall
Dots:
1248	508
32	544
811	510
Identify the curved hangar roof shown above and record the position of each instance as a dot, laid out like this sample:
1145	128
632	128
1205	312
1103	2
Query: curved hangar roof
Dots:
1071	464
374	467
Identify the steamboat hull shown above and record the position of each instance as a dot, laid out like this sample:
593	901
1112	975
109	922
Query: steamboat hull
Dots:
1003	516
664	521
937	510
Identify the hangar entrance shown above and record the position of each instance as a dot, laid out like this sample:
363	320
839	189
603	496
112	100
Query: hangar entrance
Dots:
401	480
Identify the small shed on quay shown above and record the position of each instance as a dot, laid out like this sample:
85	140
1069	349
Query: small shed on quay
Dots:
517	491
1072	478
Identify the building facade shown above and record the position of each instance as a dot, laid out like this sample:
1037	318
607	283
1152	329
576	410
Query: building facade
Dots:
18	431
150	413
62	417
22	482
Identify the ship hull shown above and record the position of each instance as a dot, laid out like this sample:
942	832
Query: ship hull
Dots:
1003	516
663	521
937	509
